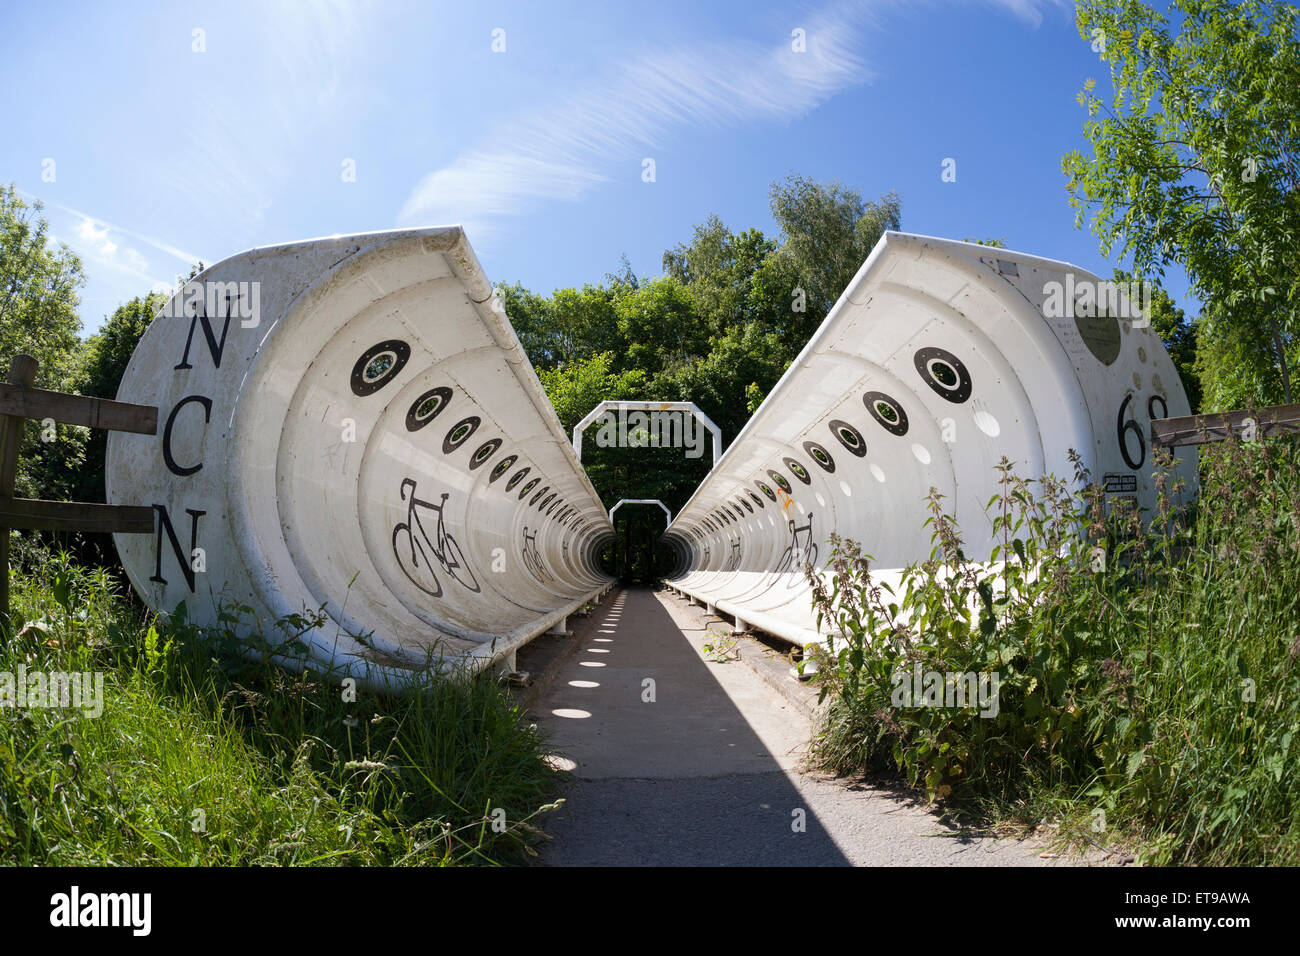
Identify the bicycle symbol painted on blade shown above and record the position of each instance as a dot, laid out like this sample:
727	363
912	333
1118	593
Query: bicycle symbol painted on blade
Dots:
532	557
416	552
734	561
803	552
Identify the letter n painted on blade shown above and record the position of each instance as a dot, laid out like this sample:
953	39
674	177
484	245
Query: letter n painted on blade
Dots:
182	556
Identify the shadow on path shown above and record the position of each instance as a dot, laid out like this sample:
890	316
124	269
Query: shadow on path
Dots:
670	770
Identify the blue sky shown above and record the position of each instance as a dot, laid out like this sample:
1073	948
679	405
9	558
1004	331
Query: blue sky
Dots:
163	155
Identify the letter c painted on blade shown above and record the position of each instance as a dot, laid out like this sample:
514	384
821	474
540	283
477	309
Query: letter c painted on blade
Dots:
168	459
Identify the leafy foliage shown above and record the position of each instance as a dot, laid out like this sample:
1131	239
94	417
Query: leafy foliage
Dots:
1196	160
1148	673
38	292
38	301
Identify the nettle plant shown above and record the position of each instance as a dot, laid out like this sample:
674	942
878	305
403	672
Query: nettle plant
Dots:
1149	664
1028	613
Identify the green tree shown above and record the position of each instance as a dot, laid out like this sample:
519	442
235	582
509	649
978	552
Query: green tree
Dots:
1196	160
742	363
1235	360
38	292
38	302
577	387
660	322
827	231
718	267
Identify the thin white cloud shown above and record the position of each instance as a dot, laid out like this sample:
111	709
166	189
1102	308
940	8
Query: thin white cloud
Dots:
102	244
92	245
96	237
565	151
93	230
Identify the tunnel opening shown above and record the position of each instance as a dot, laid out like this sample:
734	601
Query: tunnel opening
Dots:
636	453
639	553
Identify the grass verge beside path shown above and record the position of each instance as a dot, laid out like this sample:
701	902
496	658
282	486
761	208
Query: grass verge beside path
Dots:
202	758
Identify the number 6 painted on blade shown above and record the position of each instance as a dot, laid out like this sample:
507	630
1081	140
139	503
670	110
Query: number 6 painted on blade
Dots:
1121	427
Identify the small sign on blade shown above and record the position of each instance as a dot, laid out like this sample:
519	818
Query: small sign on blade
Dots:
1116	483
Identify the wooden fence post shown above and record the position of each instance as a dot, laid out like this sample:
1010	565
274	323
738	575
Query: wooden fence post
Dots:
22	372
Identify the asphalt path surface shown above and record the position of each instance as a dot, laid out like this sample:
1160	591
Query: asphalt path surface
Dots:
679	760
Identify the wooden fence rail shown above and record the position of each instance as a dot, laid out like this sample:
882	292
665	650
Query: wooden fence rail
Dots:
1270	422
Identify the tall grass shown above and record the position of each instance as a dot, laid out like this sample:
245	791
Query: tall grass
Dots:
203	758
1149	685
